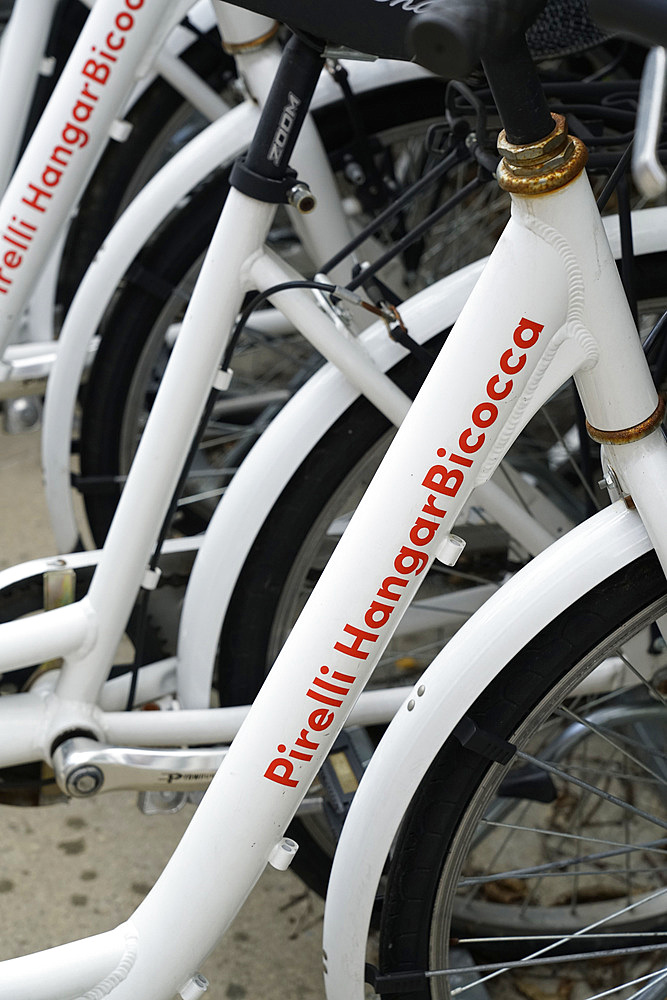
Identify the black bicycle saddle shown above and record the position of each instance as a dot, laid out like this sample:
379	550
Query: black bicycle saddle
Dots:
387	28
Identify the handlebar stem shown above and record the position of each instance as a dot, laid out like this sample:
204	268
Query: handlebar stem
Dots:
517	92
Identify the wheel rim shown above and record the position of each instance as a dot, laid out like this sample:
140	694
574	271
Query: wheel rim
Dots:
580	862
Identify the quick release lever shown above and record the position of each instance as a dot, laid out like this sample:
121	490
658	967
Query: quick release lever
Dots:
647	171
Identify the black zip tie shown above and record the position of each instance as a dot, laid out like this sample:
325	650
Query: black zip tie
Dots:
394	982
481	741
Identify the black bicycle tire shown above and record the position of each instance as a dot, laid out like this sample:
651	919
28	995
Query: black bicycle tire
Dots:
439	804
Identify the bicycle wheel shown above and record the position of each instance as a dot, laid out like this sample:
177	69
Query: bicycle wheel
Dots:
546	877
271	360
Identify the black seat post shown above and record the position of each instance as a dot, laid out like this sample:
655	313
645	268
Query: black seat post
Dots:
264	173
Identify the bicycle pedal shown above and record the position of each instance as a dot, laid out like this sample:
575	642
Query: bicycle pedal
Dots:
341	773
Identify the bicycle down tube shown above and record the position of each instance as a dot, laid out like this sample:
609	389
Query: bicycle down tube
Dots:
118	36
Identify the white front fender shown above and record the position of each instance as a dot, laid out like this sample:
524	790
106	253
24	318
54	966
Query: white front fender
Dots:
472	658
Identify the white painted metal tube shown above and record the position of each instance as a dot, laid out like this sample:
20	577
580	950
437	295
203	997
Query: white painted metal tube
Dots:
71	969
642	469
220	725
165	443
345	351
61	632
230	134
22	718
238	26
188	83
512	517
81	560
615	384
23	43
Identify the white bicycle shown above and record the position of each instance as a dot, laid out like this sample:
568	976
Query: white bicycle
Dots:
138	115
173	84
22	588
37	39
569	317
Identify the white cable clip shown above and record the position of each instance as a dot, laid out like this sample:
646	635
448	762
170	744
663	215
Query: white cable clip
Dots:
450	550
151	578
282	855
47	66
223	378
120	130
194	988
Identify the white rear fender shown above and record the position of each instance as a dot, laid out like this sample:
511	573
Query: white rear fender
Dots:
476	654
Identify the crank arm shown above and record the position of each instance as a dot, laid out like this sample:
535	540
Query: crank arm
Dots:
647	170
83	767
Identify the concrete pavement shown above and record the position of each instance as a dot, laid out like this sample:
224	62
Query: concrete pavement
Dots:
75	868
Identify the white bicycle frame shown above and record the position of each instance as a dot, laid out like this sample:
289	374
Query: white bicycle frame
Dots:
149	209
21	64
549	305
324	237
324	233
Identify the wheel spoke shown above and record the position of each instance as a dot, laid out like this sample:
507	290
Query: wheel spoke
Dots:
592	789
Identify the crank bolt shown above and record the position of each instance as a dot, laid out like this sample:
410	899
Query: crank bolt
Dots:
84	781
301	198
